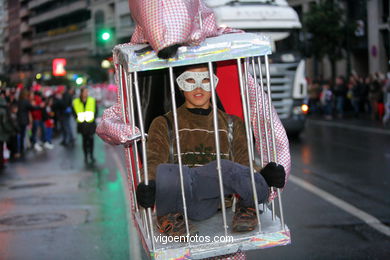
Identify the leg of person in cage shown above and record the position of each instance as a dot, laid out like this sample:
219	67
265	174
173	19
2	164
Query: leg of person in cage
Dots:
201	186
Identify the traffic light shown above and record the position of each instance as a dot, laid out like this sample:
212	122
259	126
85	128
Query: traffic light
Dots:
105	36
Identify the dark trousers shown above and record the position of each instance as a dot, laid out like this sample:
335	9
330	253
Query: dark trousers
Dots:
13	144
67	134
23	132
201	185
37	124
1	154
88	144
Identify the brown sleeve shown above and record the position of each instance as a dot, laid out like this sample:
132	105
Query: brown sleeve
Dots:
157	146
240	146
240	149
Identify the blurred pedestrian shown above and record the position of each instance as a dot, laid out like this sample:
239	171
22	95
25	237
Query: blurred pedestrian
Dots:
85	109
66	117
24	108
37	124
356	92
386	95
374	95
5	127
326	99
13	142
48	121
314	92
340	92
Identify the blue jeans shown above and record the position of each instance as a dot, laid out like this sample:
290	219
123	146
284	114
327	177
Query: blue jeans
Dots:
201	185
37	124
67	135
48	134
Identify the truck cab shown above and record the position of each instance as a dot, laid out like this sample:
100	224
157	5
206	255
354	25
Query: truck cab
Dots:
279	21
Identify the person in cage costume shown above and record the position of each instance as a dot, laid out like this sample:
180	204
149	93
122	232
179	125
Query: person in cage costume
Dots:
167	25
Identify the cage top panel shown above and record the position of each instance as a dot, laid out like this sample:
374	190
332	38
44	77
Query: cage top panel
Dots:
137	57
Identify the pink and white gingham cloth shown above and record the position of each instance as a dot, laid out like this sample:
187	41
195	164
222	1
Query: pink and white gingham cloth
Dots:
163	23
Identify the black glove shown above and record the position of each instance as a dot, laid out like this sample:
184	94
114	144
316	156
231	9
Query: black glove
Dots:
274	175
146	194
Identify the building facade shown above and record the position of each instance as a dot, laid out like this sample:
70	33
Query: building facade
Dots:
36	32
368	52
3	26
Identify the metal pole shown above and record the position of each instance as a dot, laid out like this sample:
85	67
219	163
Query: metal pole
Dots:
248	137
135	152
217	145
126	119
273	135
258	113
265	124
176	125
248	106
144	157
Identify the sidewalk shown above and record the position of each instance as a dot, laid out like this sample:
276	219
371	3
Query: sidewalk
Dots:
54	207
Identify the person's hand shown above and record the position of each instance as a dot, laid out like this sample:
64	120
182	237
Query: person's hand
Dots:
274	175
146	194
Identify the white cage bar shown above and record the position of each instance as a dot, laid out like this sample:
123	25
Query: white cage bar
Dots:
225	47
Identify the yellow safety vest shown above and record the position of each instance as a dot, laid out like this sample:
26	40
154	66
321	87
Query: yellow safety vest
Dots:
87	113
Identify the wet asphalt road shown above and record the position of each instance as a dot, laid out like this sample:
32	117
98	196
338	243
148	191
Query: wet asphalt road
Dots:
54	207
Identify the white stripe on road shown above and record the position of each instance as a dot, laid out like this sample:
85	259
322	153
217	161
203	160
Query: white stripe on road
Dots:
350	127
367	218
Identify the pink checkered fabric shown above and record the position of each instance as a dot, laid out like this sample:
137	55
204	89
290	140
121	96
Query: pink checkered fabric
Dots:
281	140
164	23
112	129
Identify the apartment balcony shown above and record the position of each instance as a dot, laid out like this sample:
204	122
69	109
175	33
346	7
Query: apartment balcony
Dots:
35	3
63	33
26	59
24	27
26	44
48	57
23	12
60	11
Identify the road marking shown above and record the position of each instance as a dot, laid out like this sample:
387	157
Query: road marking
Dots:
350	127
365	217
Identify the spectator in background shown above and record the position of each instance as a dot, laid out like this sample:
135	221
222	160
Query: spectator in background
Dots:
48	120
37	124
340	92
326	99
24	108
314	92
374	95
5	127
13	142
386	94
67	134
85	109
356	92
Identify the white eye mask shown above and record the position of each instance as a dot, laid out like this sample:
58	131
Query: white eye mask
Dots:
198	77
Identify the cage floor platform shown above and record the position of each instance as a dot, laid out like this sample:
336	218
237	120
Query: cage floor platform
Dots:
271	235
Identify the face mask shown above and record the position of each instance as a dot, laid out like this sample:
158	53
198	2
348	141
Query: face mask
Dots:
198	77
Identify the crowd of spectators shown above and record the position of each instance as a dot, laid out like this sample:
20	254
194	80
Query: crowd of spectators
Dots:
30	118
359	97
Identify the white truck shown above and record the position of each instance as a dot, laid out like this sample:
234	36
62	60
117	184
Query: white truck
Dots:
279	21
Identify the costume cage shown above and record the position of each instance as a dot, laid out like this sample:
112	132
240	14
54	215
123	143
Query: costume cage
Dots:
250	52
